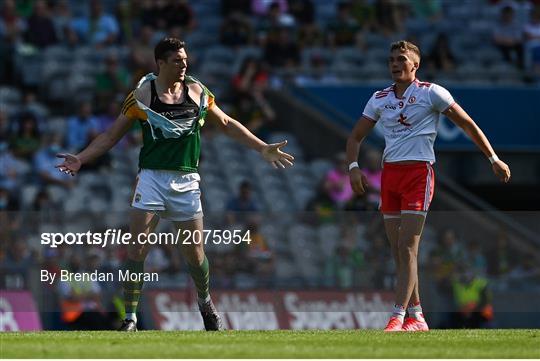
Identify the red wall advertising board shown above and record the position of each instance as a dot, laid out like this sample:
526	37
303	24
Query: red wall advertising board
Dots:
18	312
272	310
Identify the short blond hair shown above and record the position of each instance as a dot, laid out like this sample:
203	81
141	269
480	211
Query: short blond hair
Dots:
404	45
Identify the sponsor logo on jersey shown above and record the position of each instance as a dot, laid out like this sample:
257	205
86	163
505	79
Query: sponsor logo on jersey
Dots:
137	198
173	114
401	120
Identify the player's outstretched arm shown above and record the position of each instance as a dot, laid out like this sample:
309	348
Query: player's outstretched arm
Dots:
457	115
360	131
270	152
99	146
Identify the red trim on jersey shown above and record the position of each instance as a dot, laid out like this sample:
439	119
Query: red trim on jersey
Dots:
450	106
369	118
421	83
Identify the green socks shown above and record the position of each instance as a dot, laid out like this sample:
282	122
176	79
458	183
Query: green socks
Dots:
200	275
132	290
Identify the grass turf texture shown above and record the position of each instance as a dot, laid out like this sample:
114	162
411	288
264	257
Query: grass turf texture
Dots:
273	344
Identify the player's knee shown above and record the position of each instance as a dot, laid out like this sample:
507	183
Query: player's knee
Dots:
407	254
195	258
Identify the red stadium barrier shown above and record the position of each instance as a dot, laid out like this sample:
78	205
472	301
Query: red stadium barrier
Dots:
18	312
268	310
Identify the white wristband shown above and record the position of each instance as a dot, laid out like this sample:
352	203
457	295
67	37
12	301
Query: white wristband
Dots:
353	165
493	158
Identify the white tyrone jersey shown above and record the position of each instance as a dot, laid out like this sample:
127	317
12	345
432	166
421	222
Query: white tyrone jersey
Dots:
409	124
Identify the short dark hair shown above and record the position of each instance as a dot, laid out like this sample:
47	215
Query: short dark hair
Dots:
167	46
404	45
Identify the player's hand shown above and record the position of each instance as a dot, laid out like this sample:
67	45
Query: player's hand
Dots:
501	170
359	181
70	165
273	154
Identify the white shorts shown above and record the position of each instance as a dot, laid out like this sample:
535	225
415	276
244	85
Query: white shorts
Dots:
172	195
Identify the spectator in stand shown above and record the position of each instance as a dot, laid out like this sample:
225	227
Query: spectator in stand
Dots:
524	273
229	7
318	72
62	21
8	202
81	128
126	16
340	269
12	25
309	33
179	13
380	262
450	249
261	256
99	28
242	203
236	30
303	11
532	42
364	13
444	259
19	260
142	54
12	170
113	81
507	36
272	22
252	78
106	119
501	259
473	299
522	8
27	140
40	31
32	106
390	17
5	126
81	301
344	29
281	51
153	14
440	57
337	184
429	10
45	161
476	259
42	201
249	87
264	7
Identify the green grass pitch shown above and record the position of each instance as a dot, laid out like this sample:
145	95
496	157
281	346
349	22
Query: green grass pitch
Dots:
273	344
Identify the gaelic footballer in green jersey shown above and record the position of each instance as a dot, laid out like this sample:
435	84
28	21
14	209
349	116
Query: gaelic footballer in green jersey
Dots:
171	108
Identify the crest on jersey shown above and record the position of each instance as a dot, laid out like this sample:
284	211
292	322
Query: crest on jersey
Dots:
402	119
412	99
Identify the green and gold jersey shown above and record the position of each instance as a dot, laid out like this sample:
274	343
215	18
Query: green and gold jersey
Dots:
171	132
